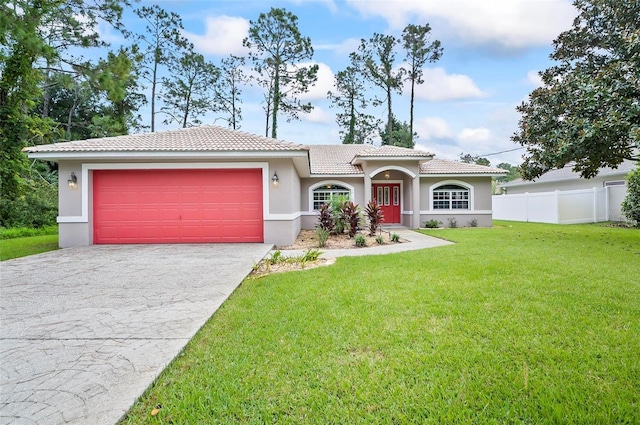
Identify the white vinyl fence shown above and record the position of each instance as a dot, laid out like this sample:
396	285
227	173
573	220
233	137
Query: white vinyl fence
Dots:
562	206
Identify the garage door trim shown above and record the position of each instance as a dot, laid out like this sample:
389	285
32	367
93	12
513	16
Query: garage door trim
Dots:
85	182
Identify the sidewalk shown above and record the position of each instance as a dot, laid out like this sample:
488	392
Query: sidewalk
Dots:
414	240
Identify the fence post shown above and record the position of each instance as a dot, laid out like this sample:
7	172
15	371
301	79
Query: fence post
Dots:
606	203
595	204
557	220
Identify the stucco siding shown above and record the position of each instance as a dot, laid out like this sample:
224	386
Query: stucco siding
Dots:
282	232
69	200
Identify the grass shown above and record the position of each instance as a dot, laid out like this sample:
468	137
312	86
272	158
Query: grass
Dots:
520	323
23	246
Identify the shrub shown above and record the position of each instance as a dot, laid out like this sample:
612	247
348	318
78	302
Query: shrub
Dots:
310	255
395	237
351	217
325	218
360	241
631	203
379	240
432	224
336	212
322	235
474	222
374	215
452	222
275	257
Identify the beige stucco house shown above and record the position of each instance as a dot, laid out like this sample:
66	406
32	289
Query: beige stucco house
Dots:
212	184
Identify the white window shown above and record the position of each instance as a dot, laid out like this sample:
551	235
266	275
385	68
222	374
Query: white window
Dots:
329	192
450	197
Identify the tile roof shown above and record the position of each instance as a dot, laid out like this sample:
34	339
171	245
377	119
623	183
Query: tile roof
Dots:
566	173
442	166
204	138
334	159
393	151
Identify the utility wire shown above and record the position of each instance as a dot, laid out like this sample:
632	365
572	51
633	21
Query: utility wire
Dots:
498	153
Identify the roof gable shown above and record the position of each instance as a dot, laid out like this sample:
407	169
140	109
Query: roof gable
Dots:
193	139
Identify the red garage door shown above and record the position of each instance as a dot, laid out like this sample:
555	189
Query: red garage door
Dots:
177	206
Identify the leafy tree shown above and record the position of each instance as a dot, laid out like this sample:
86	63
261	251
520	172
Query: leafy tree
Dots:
401	135
415	41
631	202
376	59
513	172
588	110
37	39
189	90
68	28
227	90
357	127
160	44
277	48
471	159
21	47
117	79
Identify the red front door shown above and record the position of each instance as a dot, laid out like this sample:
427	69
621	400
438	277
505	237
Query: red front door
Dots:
387	195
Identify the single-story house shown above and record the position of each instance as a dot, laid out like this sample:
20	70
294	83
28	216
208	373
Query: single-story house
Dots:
567	179
563	196
212	184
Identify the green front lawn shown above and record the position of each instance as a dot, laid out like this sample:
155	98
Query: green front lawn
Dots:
21	247
520	323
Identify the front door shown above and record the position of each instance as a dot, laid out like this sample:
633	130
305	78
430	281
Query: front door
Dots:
387	195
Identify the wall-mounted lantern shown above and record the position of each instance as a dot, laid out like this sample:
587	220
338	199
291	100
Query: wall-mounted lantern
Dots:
275	180
73	181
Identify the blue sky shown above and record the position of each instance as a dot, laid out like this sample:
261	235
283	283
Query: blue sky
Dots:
493	50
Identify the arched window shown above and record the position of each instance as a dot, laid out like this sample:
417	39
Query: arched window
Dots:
450	197
328	192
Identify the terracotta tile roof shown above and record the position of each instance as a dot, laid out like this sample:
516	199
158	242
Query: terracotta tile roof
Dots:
205	138
334	159
442	166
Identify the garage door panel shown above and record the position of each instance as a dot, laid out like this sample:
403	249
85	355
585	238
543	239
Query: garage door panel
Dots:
173	206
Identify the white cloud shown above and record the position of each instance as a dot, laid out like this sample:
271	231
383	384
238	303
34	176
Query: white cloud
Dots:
511	24
440	86
432	128
329	3
317	115
223	36
324	83
533	77
474	135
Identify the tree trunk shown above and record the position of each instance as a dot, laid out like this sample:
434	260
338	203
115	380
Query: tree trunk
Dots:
351	137
153	94
413	84
276	101
389	119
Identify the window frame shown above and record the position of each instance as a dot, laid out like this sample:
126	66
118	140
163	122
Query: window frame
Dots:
463	196
347	188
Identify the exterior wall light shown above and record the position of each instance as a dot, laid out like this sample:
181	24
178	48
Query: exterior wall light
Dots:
72	181
387	174
275	180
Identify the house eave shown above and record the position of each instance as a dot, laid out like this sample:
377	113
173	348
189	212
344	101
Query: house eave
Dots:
449	175
300	158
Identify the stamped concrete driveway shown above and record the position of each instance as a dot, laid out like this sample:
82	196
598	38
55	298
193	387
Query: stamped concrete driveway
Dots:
84	331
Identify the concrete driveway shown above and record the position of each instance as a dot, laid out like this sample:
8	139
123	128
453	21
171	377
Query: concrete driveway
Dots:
84	331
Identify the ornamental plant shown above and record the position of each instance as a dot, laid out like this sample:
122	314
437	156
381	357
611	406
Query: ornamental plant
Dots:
374	215
325	218
631	203
350	214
